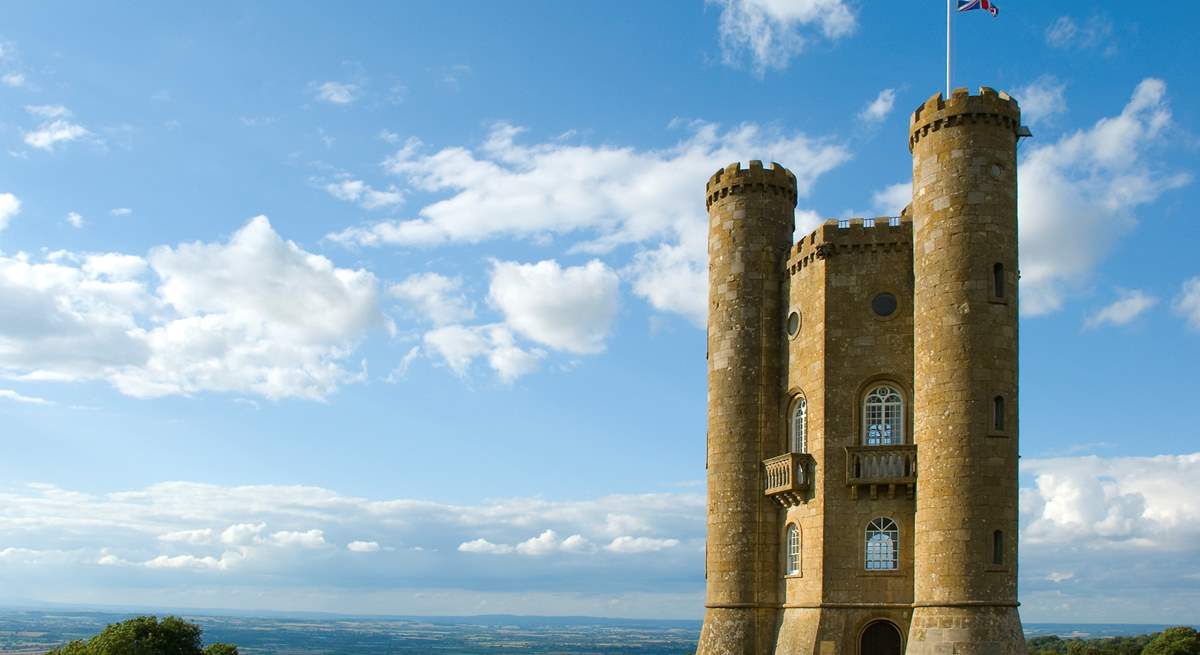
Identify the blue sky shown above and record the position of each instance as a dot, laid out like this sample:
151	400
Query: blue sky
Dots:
397	308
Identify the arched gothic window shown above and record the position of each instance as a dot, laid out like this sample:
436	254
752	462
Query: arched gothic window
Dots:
799	427
793	549
882	545
883	416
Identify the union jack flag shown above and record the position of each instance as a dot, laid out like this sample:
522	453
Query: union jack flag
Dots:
968	5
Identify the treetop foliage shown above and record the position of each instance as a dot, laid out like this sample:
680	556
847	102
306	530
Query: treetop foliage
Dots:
1173	641
146	635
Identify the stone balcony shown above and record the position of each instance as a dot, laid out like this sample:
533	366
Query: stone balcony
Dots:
881	469
788	477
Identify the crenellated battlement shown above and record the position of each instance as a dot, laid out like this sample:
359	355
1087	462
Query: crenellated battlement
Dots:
851	236
733	180
988	108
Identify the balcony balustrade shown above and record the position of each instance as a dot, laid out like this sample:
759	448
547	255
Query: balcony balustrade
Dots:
788	477
882	467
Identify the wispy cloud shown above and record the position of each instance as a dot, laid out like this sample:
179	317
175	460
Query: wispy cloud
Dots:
1042	99
56	127
1130	304
1095	33
1187	303
771	33
338	93
879	108
9	394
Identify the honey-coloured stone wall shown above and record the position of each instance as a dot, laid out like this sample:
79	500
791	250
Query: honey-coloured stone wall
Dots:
751	219
965	355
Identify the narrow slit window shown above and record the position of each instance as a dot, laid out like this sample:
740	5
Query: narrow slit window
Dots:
998	413
793	549
997	548
998	280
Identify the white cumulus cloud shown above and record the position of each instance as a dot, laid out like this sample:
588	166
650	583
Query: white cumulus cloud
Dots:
892	199
75	219
1080	193
10	206
569	309
626	544
298	539
459	346
256	314
437	297
484	546
1113	503
226	561
600	196
243	533
363	546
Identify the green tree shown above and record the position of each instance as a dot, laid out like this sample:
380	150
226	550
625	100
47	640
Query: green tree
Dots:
146	635
1175	641
73	648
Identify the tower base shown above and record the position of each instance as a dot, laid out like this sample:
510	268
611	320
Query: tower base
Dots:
798	632
966	631
738	631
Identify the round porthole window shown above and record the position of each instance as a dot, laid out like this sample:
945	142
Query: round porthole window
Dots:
793	324
883	304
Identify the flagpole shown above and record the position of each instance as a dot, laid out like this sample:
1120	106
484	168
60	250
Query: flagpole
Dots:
948	14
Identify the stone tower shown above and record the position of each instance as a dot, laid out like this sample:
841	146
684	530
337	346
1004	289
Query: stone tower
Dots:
862	437
751	216
965	263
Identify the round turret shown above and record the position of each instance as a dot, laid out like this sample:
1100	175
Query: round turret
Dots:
965	374
751	217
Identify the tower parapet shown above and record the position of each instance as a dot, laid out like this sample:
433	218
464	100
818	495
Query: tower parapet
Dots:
989	107
733	179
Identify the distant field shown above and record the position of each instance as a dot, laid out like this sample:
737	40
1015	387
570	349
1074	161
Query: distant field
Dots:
29	632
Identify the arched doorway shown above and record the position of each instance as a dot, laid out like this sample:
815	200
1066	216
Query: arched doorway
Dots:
880	638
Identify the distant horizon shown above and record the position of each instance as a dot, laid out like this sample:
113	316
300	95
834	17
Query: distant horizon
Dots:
201	613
